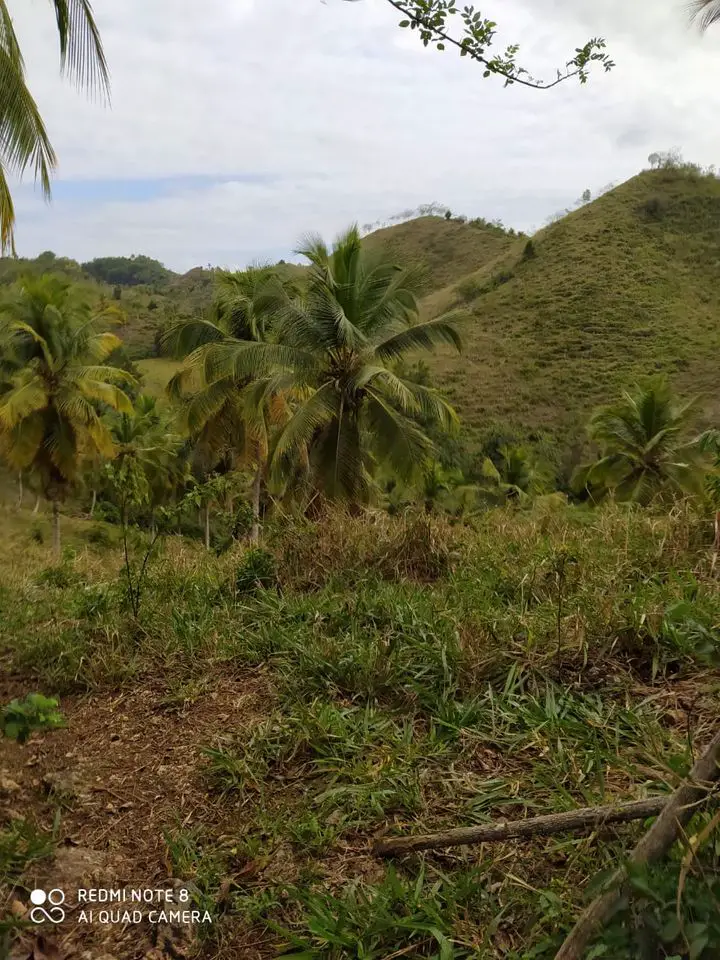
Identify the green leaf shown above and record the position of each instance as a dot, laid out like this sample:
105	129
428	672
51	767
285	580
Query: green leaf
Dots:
697	946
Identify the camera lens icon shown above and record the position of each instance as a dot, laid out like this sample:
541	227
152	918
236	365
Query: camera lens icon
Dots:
54	898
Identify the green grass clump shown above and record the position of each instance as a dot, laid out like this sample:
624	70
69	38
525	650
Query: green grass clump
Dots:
363	762
418	917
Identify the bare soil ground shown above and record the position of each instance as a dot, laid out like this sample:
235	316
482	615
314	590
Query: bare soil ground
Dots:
123	769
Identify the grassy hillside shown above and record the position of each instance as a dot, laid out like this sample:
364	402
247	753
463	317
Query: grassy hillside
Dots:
447	249
625	286
156	373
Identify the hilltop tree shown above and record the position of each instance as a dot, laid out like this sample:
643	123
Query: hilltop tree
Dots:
24	141
54	387
131	271
644	450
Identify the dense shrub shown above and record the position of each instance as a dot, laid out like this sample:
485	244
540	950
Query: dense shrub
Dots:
655	208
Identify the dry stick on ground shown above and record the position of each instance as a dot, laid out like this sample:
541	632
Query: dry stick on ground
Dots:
716	544
678	809
585	818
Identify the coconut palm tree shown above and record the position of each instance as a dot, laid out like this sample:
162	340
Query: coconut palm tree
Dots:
219	407
645	448
707	12
148	460
351	412
516	476
24	140
325	370
55	387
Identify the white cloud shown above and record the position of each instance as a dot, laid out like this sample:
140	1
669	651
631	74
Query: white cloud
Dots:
352	119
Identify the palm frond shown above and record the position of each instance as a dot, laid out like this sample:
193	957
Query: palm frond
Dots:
389	295
207	403
24	140
186	336
433	407
331	317
7	217
103	392
102	372
99	346
707	12
421	336
396	387
20	402
313	248
184	383
398	440
81	50
101	439
340	459
20	444
311	414
76	407
240	360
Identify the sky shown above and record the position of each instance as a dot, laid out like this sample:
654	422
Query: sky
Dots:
238	126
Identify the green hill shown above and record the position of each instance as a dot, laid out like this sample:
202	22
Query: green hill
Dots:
625	286
447	249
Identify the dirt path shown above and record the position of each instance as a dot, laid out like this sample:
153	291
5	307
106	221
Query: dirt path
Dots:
126	768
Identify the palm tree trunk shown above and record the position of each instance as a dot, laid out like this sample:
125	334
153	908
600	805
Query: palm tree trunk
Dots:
37	505
56	527
20	489
92	503
207	526
257	482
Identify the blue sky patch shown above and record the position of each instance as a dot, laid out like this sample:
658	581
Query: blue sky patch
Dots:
140	190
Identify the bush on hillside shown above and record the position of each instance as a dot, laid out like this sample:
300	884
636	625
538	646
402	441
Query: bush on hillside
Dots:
469	289
655	207
501	277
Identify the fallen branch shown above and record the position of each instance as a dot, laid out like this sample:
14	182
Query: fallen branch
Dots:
678	809
585	818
